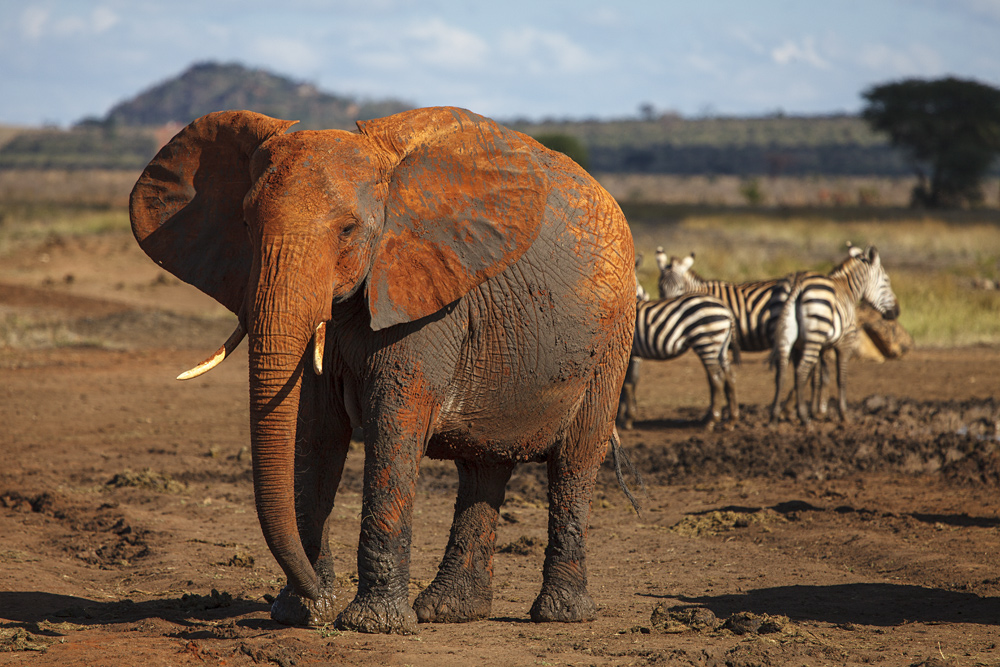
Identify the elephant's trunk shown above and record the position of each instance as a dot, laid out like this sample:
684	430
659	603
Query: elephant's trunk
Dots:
280	330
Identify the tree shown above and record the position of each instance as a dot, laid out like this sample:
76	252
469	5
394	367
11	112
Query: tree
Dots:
566	144
951	125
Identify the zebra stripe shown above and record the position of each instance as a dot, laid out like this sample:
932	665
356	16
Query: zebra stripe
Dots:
667	328
819	315
756	304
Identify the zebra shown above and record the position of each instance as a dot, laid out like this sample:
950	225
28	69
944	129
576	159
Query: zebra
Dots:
666	328
756	305
819	316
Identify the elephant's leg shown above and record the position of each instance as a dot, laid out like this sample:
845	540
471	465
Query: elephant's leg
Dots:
572	471
463	588
322	442
382	603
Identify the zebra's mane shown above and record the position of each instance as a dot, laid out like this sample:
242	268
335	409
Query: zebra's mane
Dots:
843	268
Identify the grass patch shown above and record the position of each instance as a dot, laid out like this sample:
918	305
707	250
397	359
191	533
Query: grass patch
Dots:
23	225
942	310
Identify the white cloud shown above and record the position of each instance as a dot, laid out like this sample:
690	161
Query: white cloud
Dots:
33	21
804	52
434	42
37	23
545	51
103	19
285	54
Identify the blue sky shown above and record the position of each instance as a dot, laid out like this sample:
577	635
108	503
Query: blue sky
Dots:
62	60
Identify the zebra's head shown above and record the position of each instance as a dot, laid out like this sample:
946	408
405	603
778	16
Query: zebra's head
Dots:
675	278
874	282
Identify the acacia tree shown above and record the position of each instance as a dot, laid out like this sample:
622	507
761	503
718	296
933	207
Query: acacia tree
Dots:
950	125
566	144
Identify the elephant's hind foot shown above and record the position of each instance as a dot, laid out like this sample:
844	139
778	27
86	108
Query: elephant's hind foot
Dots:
378	615
563	605
290	608
442	603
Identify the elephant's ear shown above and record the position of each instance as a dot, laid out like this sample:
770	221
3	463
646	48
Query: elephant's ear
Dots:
464	202
187	206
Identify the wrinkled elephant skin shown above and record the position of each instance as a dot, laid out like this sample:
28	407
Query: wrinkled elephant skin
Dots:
446	284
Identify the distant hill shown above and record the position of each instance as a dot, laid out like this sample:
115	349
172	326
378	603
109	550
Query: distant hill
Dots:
208	87
131	132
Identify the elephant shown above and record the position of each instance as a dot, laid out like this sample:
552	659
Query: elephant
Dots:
446	285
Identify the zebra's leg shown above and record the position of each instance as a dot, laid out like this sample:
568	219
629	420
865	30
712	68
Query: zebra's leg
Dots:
734	405
842	355
820	383
716	386
782	401
780	380
805	367
628	407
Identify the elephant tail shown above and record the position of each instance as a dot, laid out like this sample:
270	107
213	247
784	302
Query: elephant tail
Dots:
621	459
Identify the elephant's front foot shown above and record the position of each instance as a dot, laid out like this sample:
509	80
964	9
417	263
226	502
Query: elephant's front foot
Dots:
378	615
563	605
290	608
445	603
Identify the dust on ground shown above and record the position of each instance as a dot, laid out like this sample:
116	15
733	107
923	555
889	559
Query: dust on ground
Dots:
130	535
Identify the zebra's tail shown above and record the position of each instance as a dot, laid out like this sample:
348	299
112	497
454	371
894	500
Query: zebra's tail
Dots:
620	458
786	331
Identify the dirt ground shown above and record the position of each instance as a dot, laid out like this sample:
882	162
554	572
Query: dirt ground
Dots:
129	534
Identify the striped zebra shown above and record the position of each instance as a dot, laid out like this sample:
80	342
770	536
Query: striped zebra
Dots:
756	304
819	316
667	328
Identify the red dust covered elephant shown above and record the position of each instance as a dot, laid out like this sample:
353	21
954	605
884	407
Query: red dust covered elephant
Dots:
446	284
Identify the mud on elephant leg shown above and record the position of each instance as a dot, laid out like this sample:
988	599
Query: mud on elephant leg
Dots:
564	595
463	588
382	604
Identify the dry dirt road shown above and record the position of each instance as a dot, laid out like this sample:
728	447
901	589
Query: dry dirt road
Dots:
129	534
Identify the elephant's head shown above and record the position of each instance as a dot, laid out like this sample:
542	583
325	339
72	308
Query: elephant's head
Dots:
416	209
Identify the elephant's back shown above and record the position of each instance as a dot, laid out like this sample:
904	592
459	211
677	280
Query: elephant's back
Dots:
587	235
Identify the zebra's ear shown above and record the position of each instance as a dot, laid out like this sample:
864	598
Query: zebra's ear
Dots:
687	262
873	255
854	251
661	259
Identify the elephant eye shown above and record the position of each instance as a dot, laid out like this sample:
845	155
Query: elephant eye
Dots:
348	229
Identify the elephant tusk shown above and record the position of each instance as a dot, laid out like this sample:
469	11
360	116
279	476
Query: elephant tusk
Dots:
227	348
319	344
